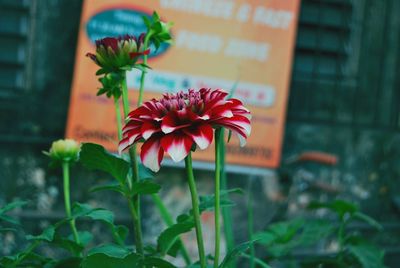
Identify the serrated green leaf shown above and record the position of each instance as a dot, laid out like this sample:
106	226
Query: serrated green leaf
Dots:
282	237
368	219
236	252
95	157
368	255
168	237
110	250
85	210
145	187
46	235
207	202
116	187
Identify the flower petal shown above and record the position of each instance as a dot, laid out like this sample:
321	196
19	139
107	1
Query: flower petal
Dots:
172	122
177	145
148	129
152	154
238	121
202	135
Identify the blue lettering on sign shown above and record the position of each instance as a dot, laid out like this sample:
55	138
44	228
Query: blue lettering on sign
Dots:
117	22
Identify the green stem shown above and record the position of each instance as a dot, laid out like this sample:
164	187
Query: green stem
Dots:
125	99
136	226
195	207
250	223
256	260
169	221
226	211
67	201
144	72
118	114
134	202
217	196
25	253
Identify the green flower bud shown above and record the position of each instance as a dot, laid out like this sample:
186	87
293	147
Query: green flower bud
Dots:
64	150
158	31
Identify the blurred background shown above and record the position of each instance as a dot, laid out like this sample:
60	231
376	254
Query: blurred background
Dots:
344	100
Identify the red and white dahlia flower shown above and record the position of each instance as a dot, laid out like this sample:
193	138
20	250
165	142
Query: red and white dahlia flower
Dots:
113	53
178	122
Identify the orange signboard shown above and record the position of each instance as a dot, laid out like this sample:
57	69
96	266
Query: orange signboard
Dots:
245	45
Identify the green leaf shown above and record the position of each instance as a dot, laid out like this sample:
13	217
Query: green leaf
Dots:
110	250
145	187
121	230
85	210
174	249
283	237
104	261
169	236
12	205
236	252
156	17
367	255
46	235
146	21
9	219
101	91
95	157
207	202
116	187
156	262
368	219
73	262
110	256
101	71
68	244
341	207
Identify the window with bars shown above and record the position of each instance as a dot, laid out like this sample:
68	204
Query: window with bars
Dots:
345	65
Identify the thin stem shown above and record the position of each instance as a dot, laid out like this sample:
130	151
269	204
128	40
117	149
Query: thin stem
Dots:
118	115
143	75
250	223
125	99
226	211
25	253
67	201
169	221
256	260
134	202
196	212
217	196
136	224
